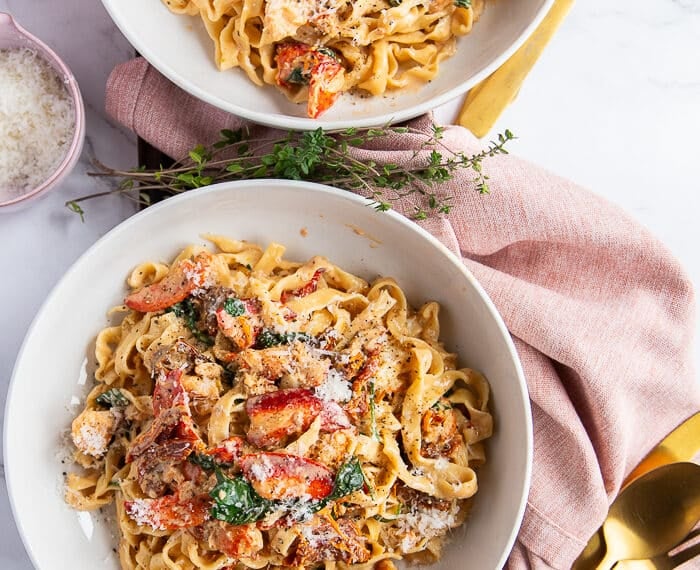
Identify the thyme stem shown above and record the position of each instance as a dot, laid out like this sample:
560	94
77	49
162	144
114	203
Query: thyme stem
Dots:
318	156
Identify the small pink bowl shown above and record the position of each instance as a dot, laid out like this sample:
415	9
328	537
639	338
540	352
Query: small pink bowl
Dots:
12	35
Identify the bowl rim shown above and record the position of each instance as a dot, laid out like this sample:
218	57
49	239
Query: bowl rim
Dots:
74	150
255	186
283	121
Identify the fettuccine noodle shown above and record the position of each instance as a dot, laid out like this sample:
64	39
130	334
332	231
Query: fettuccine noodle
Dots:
254	412
315	49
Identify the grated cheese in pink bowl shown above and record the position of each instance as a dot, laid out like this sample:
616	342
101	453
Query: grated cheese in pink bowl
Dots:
42	124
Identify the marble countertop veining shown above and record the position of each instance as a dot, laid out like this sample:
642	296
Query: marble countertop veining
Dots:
613	104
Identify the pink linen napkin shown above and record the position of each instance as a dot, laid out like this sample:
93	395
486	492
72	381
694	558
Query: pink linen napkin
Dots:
601	313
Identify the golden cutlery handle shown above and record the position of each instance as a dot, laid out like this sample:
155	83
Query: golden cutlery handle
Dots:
485	102
664	562
682	444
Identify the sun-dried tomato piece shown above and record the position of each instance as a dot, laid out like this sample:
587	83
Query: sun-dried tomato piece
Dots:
320	540
305	289
173	419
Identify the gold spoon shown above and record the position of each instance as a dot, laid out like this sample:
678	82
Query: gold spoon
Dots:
682	444
649	517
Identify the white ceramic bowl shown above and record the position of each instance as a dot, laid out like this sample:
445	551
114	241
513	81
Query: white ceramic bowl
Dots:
53	364
12	35
179	47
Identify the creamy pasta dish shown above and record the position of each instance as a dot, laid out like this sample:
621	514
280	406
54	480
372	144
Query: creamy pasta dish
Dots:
254	412
313	50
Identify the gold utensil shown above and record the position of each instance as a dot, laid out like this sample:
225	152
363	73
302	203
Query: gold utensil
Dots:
593	553
663	562
650	516
485	102
682	444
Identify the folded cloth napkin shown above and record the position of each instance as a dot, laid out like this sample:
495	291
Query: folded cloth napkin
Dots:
601	313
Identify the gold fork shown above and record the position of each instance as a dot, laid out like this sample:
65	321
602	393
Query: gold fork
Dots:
665	561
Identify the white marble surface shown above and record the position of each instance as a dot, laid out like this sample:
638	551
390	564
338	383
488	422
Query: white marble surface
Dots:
614	104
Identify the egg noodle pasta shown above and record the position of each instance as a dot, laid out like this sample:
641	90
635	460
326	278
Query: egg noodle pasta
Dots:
315	49
254	412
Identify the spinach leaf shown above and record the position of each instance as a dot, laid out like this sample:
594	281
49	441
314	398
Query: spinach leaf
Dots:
297	76
236	502
188	311
112	398
180	309
327	51
206	462
185	310
268	338
349	479
234	307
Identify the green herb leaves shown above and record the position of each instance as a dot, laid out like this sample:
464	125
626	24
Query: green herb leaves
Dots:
349	479
234	307
73	206
463	3
318	156
236	502
206	462
297	76
268	338
188	311
112	398
298	157
330	52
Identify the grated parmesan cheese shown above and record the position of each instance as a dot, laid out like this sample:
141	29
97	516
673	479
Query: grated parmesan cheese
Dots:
425	524
142	514
92	431
262	469
300	509
198	275
91	441
335	388
37	121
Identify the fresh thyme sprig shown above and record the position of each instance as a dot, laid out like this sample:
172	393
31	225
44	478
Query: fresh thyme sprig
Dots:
317	156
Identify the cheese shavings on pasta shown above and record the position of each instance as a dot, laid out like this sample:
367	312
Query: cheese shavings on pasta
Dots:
313	50
254	412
